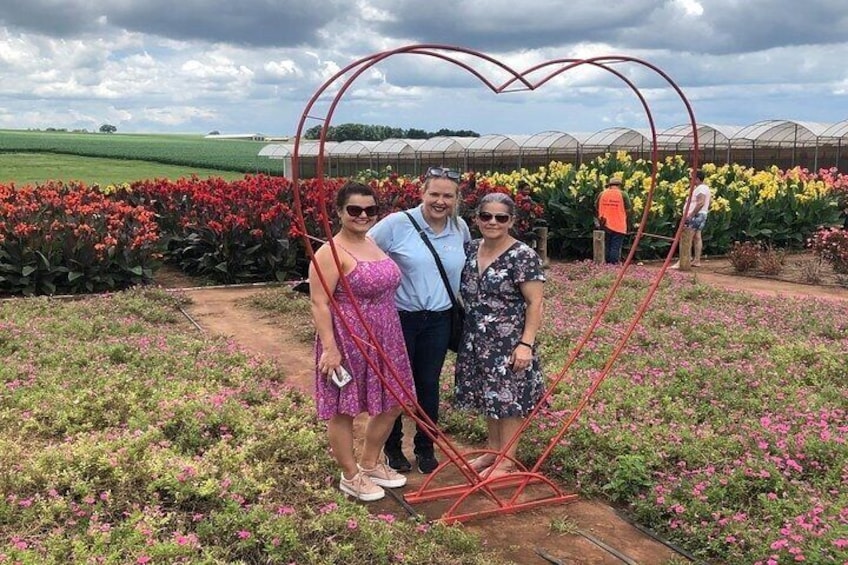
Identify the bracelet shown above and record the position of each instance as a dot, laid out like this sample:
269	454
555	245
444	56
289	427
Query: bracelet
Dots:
525	344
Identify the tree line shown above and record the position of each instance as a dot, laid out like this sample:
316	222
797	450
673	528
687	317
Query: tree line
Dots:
366	132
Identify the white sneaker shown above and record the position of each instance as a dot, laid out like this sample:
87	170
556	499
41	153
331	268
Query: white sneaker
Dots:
361	487
383	475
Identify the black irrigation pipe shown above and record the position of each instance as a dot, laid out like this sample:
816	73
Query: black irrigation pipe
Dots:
406	506
653	535
192	320
548	557
607	548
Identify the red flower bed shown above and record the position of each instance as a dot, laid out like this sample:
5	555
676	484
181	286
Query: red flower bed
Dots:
57	238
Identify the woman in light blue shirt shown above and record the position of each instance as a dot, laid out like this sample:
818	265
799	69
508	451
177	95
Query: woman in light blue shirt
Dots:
422	299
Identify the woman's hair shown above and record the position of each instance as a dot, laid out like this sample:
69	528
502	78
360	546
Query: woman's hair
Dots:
498	198
349	189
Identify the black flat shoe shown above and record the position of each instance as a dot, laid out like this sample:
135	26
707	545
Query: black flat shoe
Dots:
398	461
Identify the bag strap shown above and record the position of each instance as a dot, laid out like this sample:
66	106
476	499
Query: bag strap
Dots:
436	257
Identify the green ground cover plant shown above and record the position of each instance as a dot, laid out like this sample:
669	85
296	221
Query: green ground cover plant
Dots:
723	425
126	438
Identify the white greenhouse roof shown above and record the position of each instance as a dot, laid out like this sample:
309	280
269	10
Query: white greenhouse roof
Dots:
493	143
352	148
276	151
836	131
550	140
442	144
774	132
397	146
616	137
767	133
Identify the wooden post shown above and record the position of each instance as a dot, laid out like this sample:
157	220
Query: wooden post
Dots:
686	249
598	246
542	245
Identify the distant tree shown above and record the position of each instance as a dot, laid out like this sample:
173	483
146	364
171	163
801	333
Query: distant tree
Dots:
365	132
108	128
457	133
312	133
413	133
214	132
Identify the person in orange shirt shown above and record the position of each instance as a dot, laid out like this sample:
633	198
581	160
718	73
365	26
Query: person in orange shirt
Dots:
613	208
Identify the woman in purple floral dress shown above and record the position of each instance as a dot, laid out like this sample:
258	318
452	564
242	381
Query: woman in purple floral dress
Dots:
373	279
497	370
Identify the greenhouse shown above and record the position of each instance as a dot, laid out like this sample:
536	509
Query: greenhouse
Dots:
784	143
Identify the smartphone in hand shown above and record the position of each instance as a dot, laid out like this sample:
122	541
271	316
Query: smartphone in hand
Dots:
340	376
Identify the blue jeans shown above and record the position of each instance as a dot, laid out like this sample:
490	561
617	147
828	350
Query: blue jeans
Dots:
426	335
612	251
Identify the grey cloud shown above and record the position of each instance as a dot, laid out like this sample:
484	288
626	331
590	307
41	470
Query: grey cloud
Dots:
280	23
505	25
724	27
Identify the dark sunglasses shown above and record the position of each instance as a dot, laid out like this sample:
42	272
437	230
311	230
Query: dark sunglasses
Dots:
356	211
487	217
440	172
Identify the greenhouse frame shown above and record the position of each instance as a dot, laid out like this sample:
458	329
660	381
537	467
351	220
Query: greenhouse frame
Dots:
784	143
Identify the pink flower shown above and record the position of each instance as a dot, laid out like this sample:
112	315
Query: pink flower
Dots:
143	559
387	518
779	544
244	534
352	524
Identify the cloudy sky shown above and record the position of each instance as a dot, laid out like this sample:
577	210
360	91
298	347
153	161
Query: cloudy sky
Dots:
238	66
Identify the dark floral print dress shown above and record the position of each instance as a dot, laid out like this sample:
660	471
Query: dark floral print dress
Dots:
494	322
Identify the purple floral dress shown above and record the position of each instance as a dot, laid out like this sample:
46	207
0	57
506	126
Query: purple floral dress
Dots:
494	323
373	284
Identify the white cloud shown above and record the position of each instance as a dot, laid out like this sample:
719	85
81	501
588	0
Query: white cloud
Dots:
252	66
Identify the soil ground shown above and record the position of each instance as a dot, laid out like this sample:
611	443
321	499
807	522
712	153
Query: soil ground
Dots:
526	537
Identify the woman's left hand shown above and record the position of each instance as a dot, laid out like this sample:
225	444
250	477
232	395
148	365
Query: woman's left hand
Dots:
522	357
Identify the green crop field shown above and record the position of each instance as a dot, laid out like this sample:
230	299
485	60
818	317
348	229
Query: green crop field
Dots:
186	151
37	168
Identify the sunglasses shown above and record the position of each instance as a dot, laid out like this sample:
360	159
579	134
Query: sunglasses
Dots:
487	217
356	211
440	172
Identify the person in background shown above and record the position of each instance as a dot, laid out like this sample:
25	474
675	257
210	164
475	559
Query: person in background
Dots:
498	373
696	217
612	209
422	299
373	279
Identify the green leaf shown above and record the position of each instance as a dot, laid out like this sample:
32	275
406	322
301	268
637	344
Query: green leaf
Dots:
44	260
74	275
28	270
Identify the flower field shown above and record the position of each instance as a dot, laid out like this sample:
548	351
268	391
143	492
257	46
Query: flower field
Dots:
125	437
724	424
246	230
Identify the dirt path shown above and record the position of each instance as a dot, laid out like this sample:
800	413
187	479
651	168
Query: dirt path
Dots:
719	272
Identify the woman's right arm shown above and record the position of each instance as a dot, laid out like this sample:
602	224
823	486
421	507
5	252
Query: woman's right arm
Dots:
322	314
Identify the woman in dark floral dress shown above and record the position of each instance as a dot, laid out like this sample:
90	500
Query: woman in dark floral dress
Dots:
497	370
